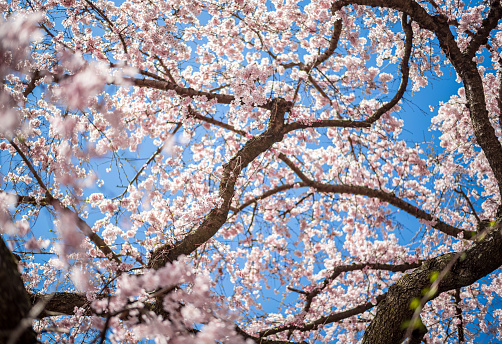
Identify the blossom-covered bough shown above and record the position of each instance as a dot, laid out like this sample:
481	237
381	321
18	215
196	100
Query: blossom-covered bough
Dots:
228	171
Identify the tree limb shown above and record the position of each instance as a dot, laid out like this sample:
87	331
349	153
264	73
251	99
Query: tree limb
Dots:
334	317
14	304
231	171
182	91
460	269
383	196
487	25
405	71
81	224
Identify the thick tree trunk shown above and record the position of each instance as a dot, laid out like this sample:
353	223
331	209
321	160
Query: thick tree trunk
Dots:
464	268
14	301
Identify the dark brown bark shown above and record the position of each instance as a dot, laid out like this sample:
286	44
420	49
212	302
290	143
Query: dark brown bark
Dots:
381	195
14	302
462	269
60	303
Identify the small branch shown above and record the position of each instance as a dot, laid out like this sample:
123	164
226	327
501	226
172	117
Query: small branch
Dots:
219	88
109	22
319	89
405	71
383	196
195	114
145	165
333	317
487	25
84	227
36	75
458	315
266	194
181	91
333	43
32	170
460	191
297	291
338	270
263	340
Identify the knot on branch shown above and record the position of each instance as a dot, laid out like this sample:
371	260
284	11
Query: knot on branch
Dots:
160	256
278	108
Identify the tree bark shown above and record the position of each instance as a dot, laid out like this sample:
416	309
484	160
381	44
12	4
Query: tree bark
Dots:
462	269
14	302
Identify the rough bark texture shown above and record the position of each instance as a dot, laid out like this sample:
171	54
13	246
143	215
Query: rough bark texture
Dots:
60	303
464	268
14	302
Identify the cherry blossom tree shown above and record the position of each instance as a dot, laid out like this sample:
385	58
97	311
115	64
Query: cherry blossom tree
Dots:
228	171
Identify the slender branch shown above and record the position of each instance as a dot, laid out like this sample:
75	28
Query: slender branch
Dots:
338	270
334	317
145	165
32	169
405	71
410	7
195	114
460	191
263	340
331	318
265	195
81	224
182	91
219	88
319	89
333	43
383	196
109	23
36	75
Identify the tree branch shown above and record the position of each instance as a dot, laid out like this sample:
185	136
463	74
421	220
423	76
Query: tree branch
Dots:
334	317
195	114
14	304
340	123
458	315
182	91
383	196
410	7
338	270
457	270
81	224
405	71
145	165
266	194
487	25
61	303
231	171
